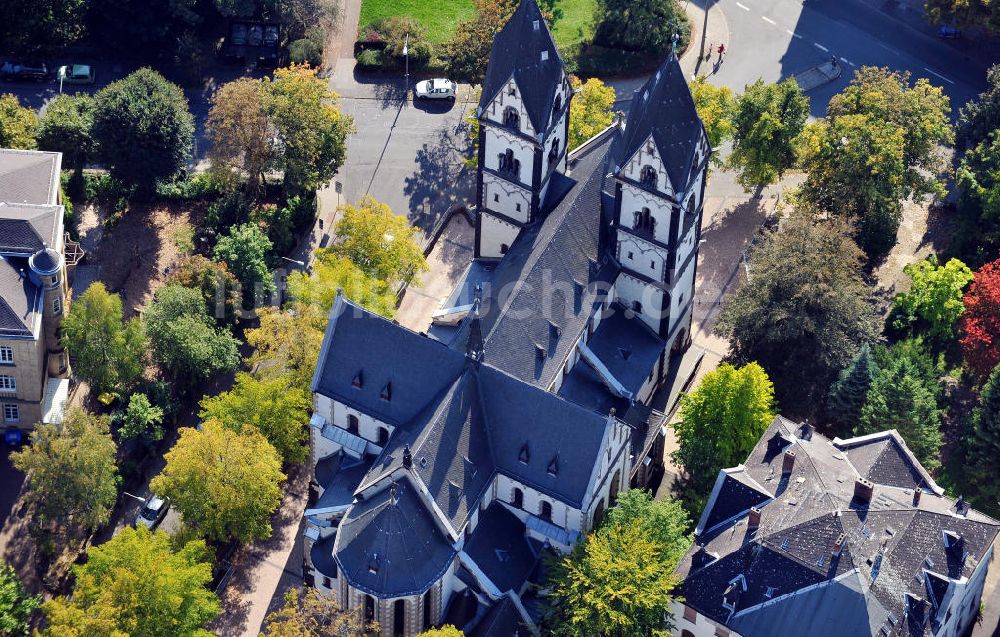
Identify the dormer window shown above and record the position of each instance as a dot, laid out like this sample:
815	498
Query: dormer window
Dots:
386	393
512	91
511	118
539	352
648	176
554	331
359	380
373	564
524	455
553	468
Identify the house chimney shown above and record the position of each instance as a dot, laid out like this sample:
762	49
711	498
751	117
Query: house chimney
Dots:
754	520
788	461
863	490
838	545
407	457
916	496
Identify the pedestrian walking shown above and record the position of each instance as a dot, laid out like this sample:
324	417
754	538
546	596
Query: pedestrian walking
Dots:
722	50
708	53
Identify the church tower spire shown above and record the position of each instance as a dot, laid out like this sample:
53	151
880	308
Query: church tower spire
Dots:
523	126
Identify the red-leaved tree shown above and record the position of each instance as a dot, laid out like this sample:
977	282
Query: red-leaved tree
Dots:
980	323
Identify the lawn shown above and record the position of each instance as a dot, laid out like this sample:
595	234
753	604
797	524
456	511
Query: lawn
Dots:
572	18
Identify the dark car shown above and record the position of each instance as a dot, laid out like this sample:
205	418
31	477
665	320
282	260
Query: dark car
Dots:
949	32
36	71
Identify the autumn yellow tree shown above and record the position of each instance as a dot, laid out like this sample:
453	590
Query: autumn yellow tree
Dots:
590	112
381	243
240	132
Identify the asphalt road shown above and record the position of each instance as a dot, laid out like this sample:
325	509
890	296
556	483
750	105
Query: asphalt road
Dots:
774	39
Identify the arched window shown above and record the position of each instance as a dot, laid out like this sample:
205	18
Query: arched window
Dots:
369	609
511	118
615	485
428	620
687	633
508	165
648	176
558	104
399	618
644	221
545	511
637	307
598	514
691	205
504	248
518	499
383	436
352	424
554	151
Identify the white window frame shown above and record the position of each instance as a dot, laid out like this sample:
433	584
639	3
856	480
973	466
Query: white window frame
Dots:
56	305
11	413
8	383
6	355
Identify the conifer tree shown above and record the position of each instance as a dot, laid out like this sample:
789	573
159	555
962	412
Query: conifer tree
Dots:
983	444
847	396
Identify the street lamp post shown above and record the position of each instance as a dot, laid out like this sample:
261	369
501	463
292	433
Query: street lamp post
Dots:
406	56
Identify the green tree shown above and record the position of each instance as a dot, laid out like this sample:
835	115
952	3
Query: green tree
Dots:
72	476
382	244
982	444
620	579
184	338
275	406
107	353
468	51
241	132
137	584
141	418
721	421
766	119
65	128
847	395
143	129
287	342
131	25
935	296
978	179
590	111
18	124
33	24
309	613
445	631
331	274
977	13
715	106
312	132
981	116
16	605
644	25
244	251
225	483
900	399
218	287
805	309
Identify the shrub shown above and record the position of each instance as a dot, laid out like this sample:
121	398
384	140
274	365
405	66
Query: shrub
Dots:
370	60
229	210
189	188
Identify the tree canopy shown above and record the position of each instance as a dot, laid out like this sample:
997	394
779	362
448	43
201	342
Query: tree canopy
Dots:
715	106
590	111
980	323
619	580
643	25
935	296
18	124
218	286
382	244
137	584
287	341
244	251
848	394
721	421
981	116
331	273
309	613
143	129
240	131
65	127
225	483
978	179
107	353
16	604
805	309
42	23
983	444
468	51
276	407
141	418
766	119
72	475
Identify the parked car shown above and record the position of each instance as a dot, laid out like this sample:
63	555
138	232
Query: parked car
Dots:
949	32
36	71
440	89
153	511
76	74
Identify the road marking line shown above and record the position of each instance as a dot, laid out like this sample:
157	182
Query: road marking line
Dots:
846	61
743	6
821	47
938	74
889	49
793	34
768	20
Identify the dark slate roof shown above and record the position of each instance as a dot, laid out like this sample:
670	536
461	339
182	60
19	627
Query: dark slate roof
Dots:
26	229
664	108
389	546
627	347
359	342
499	547
886	462
339	474
504	619
517	51
533	293
732	497
18	299
29	176
322	556
888	542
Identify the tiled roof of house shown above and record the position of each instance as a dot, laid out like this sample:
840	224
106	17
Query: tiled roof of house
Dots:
26	229
789	563
29	176
19	298
524	49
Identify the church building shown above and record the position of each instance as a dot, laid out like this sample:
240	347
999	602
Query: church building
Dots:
447	463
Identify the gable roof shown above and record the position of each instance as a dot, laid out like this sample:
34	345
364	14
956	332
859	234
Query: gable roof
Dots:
29	176
664	110
19	299
26	229
524	49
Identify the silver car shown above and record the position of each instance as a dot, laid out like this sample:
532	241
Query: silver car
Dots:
440	89
153	511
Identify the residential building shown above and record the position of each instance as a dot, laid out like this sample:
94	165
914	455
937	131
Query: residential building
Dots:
447	463
36	259
820	537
